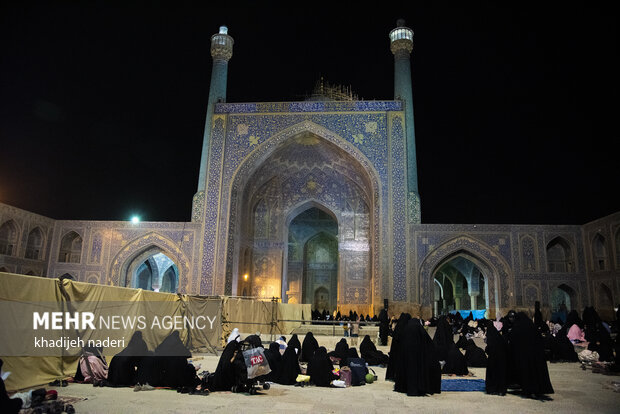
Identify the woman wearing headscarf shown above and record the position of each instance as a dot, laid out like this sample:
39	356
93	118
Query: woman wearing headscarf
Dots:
528	356
394	356
8	405
417	370
320	368
227	372
290	367
295	344
443	338
497	350
371	355
234	336
455	362
128	364
351	353
384	327
341	350
308	347
600	341
274	358
475	356
170	366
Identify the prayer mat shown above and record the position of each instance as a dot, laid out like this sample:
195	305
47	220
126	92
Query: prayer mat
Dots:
462	385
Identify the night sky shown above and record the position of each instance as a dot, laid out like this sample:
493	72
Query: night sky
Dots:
102	104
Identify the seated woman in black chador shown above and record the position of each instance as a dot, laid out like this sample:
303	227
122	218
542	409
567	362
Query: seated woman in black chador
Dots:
230	369
528	358
274	358
497	350
341	351
394	356
169	365
371	355
8	405
290	367
351	353
294	343
320	368
417	370
597	335
474	355
308	347
129	366
443	340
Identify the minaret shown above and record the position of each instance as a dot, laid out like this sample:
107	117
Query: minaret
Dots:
401	45
221	52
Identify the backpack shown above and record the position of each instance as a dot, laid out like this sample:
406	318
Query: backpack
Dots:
358	371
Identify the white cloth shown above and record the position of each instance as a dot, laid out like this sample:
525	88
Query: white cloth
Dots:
234	336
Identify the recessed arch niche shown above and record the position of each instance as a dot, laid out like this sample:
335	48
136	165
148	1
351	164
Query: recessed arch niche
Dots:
304	174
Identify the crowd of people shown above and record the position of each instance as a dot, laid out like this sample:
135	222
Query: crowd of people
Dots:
515	357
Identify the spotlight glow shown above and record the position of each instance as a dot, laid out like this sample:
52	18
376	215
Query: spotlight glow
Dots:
135	219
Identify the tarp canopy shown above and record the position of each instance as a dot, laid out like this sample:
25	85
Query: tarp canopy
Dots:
118	313
204	322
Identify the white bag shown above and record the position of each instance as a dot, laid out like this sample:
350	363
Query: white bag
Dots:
255	362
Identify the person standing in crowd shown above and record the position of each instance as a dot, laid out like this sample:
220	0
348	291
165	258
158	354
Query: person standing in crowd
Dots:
384	327
355	331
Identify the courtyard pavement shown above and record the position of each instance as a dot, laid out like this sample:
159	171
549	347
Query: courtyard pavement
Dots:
576	391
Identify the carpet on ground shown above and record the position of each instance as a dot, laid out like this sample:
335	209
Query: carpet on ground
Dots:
462	385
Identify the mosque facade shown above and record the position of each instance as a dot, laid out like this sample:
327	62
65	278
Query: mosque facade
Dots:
317	202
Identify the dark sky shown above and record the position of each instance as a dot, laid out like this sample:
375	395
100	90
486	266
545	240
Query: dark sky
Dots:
102	104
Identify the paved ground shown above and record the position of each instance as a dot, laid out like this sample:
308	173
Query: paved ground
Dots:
576	391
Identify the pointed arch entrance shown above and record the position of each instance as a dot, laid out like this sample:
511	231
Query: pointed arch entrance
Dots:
495	270
463	283
303	171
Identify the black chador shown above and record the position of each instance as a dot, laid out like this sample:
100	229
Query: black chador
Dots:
371	355
275	362
228	371
417	370
395	347
309	346
128	367
294	343
384	327
290	367
497	351
320	368
528	355
475	356
170	367
341	350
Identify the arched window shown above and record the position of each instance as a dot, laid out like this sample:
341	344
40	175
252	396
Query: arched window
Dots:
8	238
599	252
169	280
559	256
34	245
70	248
144	276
